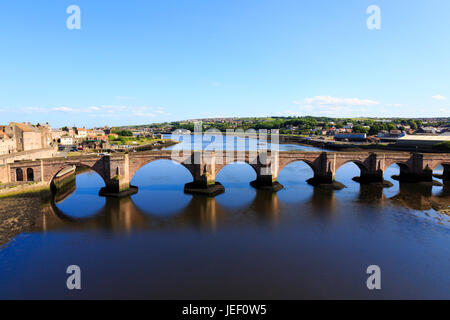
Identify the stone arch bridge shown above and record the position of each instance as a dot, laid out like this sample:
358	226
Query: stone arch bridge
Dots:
117	170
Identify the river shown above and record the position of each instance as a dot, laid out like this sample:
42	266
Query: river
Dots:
300	243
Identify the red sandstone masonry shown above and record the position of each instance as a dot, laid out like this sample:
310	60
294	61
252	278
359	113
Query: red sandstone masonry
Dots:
117	170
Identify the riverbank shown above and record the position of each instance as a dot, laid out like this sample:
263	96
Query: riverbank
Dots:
18	202
24	189
155	145
331	145
18	215
349	146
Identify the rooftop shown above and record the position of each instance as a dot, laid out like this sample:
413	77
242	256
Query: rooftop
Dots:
425	138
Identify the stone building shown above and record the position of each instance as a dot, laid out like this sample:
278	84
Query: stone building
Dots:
57	134
28	137
7	144
46	135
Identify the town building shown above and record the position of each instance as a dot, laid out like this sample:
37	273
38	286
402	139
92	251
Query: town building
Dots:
349	125
389	136
350	136
427	130
46	135
26	136
81	133
66	140
422	140
57	134
7	144
95	144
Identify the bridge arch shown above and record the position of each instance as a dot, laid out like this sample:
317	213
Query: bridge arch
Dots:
54	173
219	167
284	164
433	165
361	165
134	169
404	166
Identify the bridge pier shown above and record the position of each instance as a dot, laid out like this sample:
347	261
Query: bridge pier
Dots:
446	173
203	169
418	171
324	170
117	173
118	188
266	168
325	181
324	167
376	178
266	182
200	187
415	177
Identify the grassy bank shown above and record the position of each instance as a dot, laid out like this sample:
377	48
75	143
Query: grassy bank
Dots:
132	141
39	189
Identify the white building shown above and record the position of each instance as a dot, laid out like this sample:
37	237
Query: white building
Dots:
7	144
66	140
81	133
349	125
422	141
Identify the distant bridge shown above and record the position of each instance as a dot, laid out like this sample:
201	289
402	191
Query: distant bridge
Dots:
117	170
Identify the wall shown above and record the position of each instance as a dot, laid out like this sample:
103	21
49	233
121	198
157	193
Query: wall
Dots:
32	141
28	155
4	174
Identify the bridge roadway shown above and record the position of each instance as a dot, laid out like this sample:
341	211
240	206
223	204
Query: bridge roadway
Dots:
117	170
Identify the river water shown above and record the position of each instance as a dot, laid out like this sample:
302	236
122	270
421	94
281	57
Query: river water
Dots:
302	242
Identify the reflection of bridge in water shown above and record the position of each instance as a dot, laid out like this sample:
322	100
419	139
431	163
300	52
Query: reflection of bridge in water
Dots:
123	215
117	170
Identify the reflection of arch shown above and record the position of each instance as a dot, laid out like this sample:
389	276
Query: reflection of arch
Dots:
30	174
64	217
19	174
149	162
117	213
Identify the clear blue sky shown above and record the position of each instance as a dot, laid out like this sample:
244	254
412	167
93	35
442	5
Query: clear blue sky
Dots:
136	62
